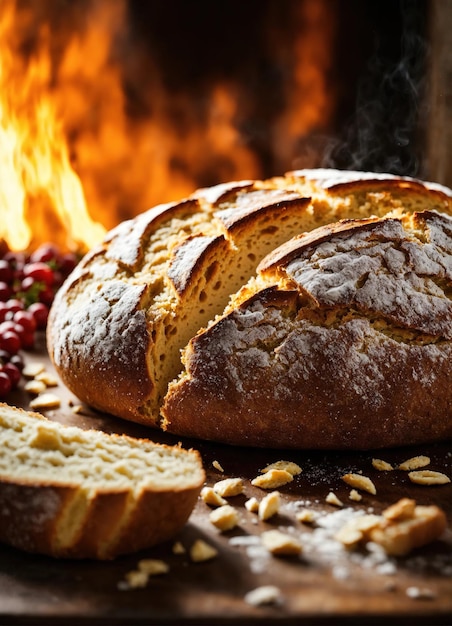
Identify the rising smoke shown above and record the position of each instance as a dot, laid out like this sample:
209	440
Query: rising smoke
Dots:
385	132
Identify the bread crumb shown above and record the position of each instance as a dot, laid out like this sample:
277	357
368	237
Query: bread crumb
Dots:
178	548
202	551
34	387
428	477
269	505
360	482
415	463
400	536
153	567
356	530
31	370
136	579
355	496
272	479
280	544
252	505
267	594
217	466
288	466
333	499
403	509
45	401
305	516
211	497
381	465
47	378
229	487
224	518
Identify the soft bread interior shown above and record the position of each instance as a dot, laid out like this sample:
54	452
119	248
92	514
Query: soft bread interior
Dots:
93	482
42	450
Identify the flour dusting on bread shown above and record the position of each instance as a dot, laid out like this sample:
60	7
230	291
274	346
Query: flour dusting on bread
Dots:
316	302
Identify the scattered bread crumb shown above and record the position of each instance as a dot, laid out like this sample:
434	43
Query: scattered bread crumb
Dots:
267	594
252	505
211	497
178	548
224	518
333	499
202	551
381	465
280	544
272	479
355	496
305	516
269	505
356	530
135	580
34	387
415	463
403	509
31	370
153	567
288	466
217	466
47	378
229	487
45	401
360	482
400	535
428	477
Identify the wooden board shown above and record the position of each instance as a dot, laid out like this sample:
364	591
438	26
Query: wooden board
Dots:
324	585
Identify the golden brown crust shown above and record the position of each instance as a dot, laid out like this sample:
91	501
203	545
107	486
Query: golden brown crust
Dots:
350	349
70	493
118	324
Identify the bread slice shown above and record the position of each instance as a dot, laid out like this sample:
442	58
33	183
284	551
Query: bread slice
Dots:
71	493
117	326
344	340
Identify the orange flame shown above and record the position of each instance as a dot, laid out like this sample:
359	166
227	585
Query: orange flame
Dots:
73	160
37	182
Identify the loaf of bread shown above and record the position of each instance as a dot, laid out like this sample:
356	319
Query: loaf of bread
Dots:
71	493
344	340
119	323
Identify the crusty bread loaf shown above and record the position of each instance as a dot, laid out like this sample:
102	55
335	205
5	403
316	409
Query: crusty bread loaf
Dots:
344	340
71	493
118	324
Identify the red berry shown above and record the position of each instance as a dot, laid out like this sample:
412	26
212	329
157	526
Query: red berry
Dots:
10	341
3	311
5	357
27	338
5	384
67	263
14	305
6	273
13	373
28	283
17	360
46	296
6	327
41	272
16	260
45	253
5	291
25	319
40	312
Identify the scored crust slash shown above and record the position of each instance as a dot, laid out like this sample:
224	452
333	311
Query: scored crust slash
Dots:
312	311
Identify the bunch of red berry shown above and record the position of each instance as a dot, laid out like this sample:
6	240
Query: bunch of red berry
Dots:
28	283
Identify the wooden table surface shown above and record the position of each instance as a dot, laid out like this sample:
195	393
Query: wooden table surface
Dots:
324	585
